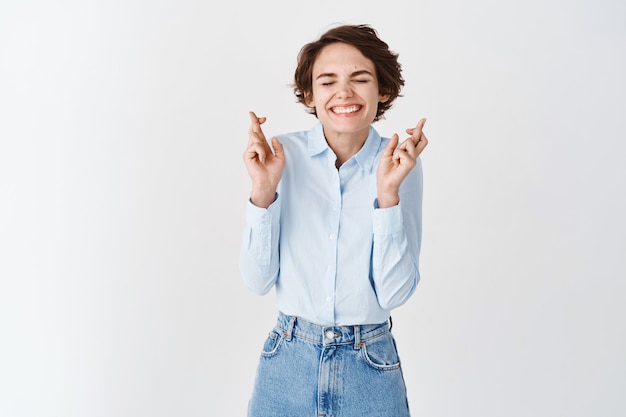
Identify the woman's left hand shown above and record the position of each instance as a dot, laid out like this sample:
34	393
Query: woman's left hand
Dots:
396	162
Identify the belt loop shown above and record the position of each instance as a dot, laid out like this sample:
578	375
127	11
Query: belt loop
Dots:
357	337
292	322
390	323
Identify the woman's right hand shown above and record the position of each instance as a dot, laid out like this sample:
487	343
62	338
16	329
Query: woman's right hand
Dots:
264	166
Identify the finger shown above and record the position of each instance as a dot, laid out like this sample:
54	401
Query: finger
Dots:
255	118
406	142
256	140
390	149
416	132
410	130
255	151
421	144
255	125
391	146
410	148
405	159
279	152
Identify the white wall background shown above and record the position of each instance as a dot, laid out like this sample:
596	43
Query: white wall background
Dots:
122	125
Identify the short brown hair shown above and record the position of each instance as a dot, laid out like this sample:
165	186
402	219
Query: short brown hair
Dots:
366	40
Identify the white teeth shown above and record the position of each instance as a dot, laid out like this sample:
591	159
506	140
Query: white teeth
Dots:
343	110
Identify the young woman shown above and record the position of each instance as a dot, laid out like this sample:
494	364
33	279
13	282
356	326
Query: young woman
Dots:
334	225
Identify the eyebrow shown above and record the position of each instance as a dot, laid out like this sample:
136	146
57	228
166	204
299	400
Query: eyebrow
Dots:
354	74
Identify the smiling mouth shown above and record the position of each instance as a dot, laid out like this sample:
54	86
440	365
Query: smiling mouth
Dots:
346	109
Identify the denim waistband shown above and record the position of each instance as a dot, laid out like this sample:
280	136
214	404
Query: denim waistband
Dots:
292	326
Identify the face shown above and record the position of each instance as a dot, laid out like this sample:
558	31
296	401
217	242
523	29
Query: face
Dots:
345	90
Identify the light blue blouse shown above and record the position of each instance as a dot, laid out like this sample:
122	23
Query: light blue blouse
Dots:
332	255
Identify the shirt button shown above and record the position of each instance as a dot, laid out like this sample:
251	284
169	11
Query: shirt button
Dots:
331	236
329	268
328	299
330	334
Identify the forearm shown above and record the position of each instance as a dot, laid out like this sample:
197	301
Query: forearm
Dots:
388	198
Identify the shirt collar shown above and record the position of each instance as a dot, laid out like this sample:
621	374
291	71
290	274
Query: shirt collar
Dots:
364	157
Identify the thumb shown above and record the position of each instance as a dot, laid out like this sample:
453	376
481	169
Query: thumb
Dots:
278	148
391	146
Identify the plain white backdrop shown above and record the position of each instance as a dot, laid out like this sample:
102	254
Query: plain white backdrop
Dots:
122	193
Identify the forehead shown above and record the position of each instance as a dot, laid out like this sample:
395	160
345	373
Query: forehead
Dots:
340	58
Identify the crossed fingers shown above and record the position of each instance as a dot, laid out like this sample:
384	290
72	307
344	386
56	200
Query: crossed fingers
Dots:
415	144
257	144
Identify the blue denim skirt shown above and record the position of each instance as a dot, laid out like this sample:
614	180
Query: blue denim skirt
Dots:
308	370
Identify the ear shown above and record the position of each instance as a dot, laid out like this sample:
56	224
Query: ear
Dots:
308	99
383	97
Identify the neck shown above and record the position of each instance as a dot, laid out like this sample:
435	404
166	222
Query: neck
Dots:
345	145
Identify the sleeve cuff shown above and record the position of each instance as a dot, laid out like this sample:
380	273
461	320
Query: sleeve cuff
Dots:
262	216
387	221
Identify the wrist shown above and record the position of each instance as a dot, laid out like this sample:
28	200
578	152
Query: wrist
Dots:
263	196
389	199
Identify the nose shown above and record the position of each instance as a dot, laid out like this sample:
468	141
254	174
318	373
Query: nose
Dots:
344	90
